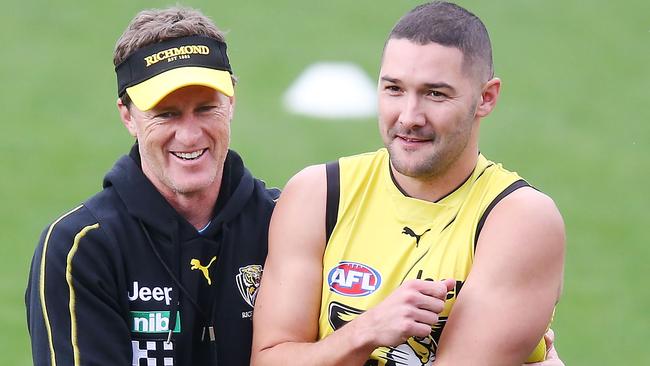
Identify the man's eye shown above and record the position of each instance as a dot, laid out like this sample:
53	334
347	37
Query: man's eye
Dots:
436	94
164	115
205	108
392	88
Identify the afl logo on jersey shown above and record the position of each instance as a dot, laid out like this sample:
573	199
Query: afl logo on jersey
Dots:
353	279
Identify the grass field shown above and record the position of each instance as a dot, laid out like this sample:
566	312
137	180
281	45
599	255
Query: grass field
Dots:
573	119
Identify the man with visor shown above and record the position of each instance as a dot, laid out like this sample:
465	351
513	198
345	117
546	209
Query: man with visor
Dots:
162	266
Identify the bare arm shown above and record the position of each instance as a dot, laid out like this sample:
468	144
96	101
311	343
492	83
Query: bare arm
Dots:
288	304
515	282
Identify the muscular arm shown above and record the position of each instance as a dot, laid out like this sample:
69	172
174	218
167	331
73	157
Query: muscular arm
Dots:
286	314
508	299
287	308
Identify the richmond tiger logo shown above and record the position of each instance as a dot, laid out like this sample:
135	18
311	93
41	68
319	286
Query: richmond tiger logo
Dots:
248	281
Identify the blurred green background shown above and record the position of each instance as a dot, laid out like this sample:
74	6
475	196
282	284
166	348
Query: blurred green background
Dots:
573	118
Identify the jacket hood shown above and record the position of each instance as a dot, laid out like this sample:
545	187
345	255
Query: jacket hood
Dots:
158	218
144	202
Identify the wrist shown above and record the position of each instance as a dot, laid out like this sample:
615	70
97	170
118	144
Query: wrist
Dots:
362	337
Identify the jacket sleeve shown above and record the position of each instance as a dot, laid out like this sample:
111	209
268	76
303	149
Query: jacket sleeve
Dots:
74	305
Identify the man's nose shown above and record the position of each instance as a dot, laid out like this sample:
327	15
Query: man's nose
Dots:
188	131
412	113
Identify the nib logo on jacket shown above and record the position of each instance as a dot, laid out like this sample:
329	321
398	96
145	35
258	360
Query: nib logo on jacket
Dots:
153	322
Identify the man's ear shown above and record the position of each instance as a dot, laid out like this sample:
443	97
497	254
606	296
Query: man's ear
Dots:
126	117
489	97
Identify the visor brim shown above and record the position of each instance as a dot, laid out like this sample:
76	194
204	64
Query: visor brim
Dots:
150	92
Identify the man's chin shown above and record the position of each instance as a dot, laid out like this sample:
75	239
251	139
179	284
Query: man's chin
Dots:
411	165
190	186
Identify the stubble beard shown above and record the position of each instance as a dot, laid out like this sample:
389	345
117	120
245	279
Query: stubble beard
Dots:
439	157
408	163
189	190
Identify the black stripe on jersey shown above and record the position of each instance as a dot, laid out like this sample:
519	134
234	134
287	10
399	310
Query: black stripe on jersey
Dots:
392	177
461	184
399	188
333	173
449	223
475	180
511	188
483	171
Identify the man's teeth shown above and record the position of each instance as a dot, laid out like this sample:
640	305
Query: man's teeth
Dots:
189	155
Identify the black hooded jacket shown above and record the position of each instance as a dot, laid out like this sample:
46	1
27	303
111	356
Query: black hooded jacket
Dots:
109	278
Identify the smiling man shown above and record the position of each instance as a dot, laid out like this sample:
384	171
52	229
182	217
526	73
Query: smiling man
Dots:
423	252
162	266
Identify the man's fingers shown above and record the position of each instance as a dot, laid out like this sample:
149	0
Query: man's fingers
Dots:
549	337
427	317
437	289
450	283
432	304
441	288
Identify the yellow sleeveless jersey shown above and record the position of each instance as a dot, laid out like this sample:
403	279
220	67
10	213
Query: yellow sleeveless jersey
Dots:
379	237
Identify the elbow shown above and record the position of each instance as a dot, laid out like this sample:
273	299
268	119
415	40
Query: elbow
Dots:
259	356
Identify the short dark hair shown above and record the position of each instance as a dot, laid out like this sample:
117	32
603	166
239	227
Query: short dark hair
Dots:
449	25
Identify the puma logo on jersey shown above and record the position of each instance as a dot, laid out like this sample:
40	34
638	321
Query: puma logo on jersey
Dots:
196	264
408	231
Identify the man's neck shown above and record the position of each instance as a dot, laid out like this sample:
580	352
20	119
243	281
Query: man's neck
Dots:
437	186
197	208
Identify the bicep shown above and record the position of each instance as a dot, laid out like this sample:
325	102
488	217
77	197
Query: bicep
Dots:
288	304
515	281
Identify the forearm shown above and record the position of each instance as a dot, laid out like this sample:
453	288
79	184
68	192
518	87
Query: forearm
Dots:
408	312
345	347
